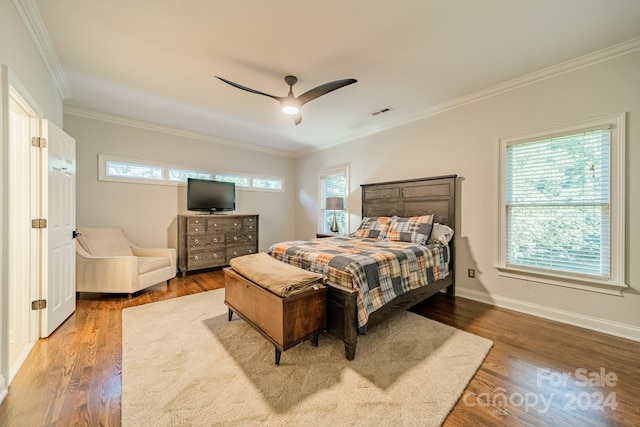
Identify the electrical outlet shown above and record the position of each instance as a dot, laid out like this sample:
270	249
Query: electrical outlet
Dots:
472	273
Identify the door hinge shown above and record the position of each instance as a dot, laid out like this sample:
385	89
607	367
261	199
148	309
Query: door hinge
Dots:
39	142
39	223
39	304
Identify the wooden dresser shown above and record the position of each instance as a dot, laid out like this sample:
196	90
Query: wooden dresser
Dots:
206	241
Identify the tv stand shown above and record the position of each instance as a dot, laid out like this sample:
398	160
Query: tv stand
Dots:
211	240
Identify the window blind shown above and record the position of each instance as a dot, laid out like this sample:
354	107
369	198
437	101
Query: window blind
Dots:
558	196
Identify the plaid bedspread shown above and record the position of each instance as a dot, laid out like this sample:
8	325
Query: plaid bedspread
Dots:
379	269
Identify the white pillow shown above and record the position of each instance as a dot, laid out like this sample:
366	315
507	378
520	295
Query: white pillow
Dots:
441	234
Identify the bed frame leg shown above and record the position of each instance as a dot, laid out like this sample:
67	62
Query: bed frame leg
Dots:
351	336
350	351
451	290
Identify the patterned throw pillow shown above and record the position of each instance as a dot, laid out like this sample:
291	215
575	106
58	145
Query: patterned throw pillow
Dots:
415	229
373	227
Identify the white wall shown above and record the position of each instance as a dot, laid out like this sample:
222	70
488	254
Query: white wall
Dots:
23	61
464	141
147	212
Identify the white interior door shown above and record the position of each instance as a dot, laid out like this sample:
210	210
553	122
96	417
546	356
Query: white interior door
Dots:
59	285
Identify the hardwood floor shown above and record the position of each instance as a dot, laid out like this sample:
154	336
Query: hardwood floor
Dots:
73	377
540	372
533	375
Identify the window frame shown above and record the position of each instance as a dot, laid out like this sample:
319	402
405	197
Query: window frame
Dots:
616	282
321	202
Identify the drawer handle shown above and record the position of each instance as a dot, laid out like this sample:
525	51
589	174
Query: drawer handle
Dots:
215	239
235	252
196	229
215	255
235	237
250	236
197	221
215	225
196	257
250	219
196	241
250	251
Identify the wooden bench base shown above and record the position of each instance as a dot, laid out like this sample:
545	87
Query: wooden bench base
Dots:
285	322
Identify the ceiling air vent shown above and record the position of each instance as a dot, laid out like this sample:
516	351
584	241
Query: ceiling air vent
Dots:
384	110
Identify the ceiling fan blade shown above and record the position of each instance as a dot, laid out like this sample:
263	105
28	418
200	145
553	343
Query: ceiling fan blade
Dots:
312	94
229	82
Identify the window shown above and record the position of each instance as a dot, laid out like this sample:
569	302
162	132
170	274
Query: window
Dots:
562	205
121	169
112	168
334	183
267	183
239	180
181	175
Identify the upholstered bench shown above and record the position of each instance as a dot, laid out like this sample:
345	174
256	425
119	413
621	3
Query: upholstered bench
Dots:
286	317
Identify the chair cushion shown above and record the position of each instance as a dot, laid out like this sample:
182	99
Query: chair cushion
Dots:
104	241
151	263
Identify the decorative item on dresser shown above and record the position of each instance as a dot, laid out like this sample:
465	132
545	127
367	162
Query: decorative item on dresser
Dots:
206	241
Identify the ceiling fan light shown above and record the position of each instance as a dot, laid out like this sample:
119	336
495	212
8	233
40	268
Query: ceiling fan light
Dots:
290	109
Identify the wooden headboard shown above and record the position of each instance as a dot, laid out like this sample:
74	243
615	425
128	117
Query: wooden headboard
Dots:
412	197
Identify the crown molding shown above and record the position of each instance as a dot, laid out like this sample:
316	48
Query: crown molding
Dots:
597	57
32	19
125	121
553	71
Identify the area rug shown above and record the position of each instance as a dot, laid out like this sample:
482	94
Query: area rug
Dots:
185	364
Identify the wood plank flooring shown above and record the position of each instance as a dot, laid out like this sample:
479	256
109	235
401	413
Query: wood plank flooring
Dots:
73	377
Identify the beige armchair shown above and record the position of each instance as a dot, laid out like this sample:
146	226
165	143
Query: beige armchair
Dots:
107	262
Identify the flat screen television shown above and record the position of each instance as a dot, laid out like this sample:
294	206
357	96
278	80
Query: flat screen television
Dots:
204	195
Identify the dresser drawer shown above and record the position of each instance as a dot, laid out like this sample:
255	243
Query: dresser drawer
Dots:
196	221
236	251
232	238
204	241
195	229
249	224
206	258
215	225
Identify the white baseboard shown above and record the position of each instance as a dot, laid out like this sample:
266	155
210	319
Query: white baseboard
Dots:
4	390
15	366
600	325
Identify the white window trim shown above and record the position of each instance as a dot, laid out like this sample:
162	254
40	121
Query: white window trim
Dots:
104	158
335	170
616	284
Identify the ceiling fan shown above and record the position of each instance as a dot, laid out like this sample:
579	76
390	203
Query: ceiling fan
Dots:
291	104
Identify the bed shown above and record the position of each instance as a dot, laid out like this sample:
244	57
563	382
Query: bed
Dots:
359	297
